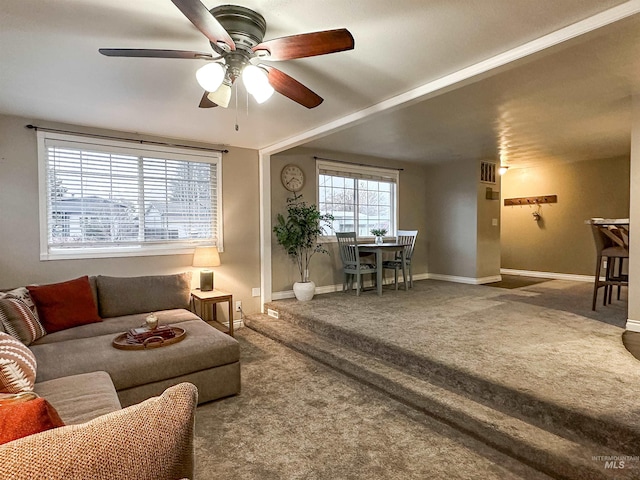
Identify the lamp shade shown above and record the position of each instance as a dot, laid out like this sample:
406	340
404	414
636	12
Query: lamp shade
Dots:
221	96
206	257
210	76
256	81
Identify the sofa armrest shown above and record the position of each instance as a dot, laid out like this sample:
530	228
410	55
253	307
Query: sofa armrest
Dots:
150	440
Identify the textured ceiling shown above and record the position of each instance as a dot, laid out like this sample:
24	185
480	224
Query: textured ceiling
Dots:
567	104
50	69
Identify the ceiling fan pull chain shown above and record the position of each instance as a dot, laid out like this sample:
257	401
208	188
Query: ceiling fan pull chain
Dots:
235	94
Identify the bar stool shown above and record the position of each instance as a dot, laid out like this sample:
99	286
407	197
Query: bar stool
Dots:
609	247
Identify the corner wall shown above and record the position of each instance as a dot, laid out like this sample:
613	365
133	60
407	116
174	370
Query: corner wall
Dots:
452	219
20	262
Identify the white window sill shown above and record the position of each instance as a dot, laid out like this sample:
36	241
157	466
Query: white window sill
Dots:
85	253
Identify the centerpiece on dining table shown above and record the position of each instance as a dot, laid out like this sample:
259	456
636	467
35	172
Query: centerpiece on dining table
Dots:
379	233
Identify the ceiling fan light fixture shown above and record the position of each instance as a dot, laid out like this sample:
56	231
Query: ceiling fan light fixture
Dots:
263	94
255	79
211	76
221	96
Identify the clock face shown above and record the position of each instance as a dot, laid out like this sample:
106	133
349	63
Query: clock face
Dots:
292	178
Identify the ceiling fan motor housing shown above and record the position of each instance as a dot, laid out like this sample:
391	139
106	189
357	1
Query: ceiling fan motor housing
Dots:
246	27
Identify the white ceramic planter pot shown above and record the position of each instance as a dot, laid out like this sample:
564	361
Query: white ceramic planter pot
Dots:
304	291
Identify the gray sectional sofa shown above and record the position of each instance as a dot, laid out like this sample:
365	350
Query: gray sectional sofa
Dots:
88	382
206	357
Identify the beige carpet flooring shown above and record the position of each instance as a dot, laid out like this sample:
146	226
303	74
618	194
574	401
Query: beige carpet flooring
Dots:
542	338
297	419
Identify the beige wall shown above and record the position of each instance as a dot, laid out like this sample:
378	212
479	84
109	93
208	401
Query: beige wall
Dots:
327	269
452	217
561	242
19	234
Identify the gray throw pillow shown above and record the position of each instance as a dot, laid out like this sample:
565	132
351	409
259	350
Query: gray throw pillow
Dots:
119	296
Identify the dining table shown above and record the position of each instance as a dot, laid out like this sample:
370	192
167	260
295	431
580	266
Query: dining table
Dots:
379	249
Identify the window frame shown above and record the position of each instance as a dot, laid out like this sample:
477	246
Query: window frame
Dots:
129	147
357	169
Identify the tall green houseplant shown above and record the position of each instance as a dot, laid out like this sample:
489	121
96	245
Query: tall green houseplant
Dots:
298	232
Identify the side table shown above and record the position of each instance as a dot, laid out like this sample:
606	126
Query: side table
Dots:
208	301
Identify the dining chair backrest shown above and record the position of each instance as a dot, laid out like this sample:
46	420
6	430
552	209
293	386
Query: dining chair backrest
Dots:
409	238
348	246
603	237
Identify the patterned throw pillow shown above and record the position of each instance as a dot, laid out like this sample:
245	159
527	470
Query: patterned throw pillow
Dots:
18	321
22	294
17	366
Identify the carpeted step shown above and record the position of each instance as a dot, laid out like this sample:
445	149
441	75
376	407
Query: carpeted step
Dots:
560	420
550	453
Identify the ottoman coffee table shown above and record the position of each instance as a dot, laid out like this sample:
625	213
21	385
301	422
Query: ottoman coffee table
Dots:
205	357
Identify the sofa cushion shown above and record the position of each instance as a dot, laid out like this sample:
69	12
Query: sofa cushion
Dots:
128	295
18	320
17	365
80	398
116	325
203	347
17	420
65	305
153	439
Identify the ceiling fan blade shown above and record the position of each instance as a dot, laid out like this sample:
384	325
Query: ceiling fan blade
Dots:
306	45
198	14
291	88
135	52
205	102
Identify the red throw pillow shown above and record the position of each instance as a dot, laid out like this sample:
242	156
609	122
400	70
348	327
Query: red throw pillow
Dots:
65	305
20	419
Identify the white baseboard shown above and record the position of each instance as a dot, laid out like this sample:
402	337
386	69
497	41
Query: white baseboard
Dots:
283	295
552	275
456	279
633	325
467	280
418	276
337	287
236	323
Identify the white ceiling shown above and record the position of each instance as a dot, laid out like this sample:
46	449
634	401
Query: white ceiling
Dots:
568	102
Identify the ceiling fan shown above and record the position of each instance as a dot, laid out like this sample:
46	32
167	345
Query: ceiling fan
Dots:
236	35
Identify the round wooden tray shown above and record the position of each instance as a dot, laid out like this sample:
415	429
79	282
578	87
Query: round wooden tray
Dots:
153	342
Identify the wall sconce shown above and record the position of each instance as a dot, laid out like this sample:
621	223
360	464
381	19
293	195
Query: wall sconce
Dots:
503	169
206	257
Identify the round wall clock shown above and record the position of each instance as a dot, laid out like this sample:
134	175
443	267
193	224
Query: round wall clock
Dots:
292	178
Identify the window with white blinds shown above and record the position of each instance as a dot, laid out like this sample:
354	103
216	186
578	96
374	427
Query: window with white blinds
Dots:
111	198
359	198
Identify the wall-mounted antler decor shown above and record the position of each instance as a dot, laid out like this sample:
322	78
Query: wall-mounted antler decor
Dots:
509	202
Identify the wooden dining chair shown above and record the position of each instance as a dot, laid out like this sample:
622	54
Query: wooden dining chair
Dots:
352	264
407	237
611	247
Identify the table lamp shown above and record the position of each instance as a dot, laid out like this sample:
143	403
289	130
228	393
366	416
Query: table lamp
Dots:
206	257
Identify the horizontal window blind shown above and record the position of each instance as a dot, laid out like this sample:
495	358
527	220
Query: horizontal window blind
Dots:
101	196
357	172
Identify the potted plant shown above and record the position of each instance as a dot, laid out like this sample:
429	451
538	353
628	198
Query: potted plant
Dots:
298	233
378	233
